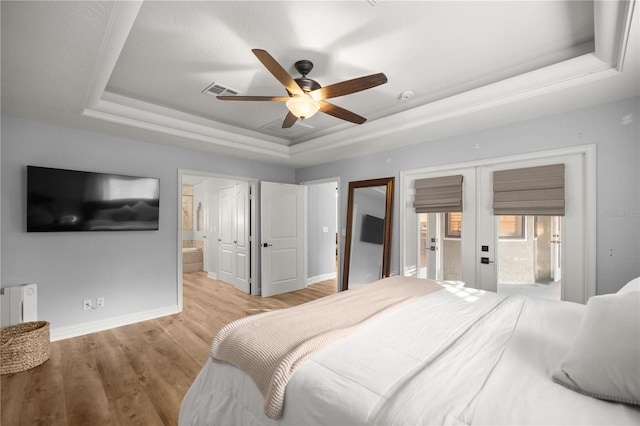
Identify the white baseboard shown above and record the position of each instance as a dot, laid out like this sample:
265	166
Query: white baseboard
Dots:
61	333
212	275
323	277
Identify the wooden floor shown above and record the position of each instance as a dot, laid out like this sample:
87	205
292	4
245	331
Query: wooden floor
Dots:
137	374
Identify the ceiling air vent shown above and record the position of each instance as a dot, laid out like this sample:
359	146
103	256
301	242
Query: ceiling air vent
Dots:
275	128
215	89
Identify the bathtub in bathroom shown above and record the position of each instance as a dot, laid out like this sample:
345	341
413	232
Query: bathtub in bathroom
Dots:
191	259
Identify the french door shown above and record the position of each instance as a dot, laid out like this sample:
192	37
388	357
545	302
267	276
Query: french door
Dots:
541	249
490	252
445	245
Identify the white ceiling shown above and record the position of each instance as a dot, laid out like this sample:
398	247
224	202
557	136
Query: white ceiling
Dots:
137	69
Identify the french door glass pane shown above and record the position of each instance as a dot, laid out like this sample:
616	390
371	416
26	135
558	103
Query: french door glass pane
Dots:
424	245
440	246
528	256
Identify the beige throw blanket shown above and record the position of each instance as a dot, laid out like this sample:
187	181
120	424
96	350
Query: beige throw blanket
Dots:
269	346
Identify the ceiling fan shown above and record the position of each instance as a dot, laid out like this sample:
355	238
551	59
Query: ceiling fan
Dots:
306	96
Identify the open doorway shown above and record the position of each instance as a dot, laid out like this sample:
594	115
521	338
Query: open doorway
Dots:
322	232
200	235
193	219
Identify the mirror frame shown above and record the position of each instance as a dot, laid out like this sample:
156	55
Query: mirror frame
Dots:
388	182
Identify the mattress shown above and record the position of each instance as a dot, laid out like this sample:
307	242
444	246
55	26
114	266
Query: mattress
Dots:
459	356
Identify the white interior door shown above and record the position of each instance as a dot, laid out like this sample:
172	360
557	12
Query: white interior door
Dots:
226	235
283	237
241	223
233	265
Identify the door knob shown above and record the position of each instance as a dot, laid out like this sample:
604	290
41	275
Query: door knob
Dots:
266	245
485	260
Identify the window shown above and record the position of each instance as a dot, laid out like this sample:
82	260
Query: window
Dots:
453	225
511	227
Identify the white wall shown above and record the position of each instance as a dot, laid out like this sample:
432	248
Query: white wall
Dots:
614	128
136	272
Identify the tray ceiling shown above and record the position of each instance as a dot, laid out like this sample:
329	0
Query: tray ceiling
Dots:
470	65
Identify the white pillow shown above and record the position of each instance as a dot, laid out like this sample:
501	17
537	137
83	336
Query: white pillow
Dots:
633	285
604	360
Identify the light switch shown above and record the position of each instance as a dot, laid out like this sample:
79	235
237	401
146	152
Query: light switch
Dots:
325	229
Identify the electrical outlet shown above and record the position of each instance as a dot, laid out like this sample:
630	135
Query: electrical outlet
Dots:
100	302
87	304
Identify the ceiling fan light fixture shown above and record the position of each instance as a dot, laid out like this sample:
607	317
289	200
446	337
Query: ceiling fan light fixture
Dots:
303	106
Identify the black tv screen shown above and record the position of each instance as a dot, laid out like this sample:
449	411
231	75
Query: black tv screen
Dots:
372	229
69	200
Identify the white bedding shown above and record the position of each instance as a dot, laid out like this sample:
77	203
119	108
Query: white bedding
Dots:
454	357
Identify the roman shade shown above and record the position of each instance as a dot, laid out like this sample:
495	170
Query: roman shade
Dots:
438	195
535	191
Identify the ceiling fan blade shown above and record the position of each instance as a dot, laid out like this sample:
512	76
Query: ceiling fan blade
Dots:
349	86
254	98
341	113
289	120
278	72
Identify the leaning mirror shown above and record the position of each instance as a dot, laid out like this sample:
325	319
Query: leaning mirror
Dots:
367	252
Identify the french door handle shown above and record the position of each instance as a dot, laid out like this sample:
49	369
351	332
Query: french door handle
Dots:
266	245
485	260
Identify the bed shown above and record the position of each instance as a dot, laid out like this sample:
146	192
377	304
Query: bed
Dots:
448	355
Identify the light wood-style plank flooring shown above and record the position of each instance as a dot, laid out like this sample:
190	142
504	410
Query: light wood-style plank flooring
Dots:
137	374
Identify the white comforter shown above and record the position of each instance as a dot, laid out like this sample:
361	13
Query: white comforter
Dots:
454	357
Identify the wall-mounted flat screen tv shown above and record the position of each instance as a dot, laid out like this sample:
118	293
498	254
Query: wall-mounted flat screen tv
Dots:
69	200
372	229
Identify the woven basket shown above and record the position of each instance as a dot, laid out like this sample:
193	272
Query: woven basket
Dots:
24	346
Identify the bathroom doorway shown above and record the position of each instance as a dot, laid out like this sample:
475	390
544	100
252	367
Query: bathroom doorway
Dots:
198	225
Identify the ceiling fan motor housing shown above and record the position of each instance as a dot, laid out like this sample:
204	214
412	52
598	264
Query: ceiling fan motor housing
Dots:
307	85
304	67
